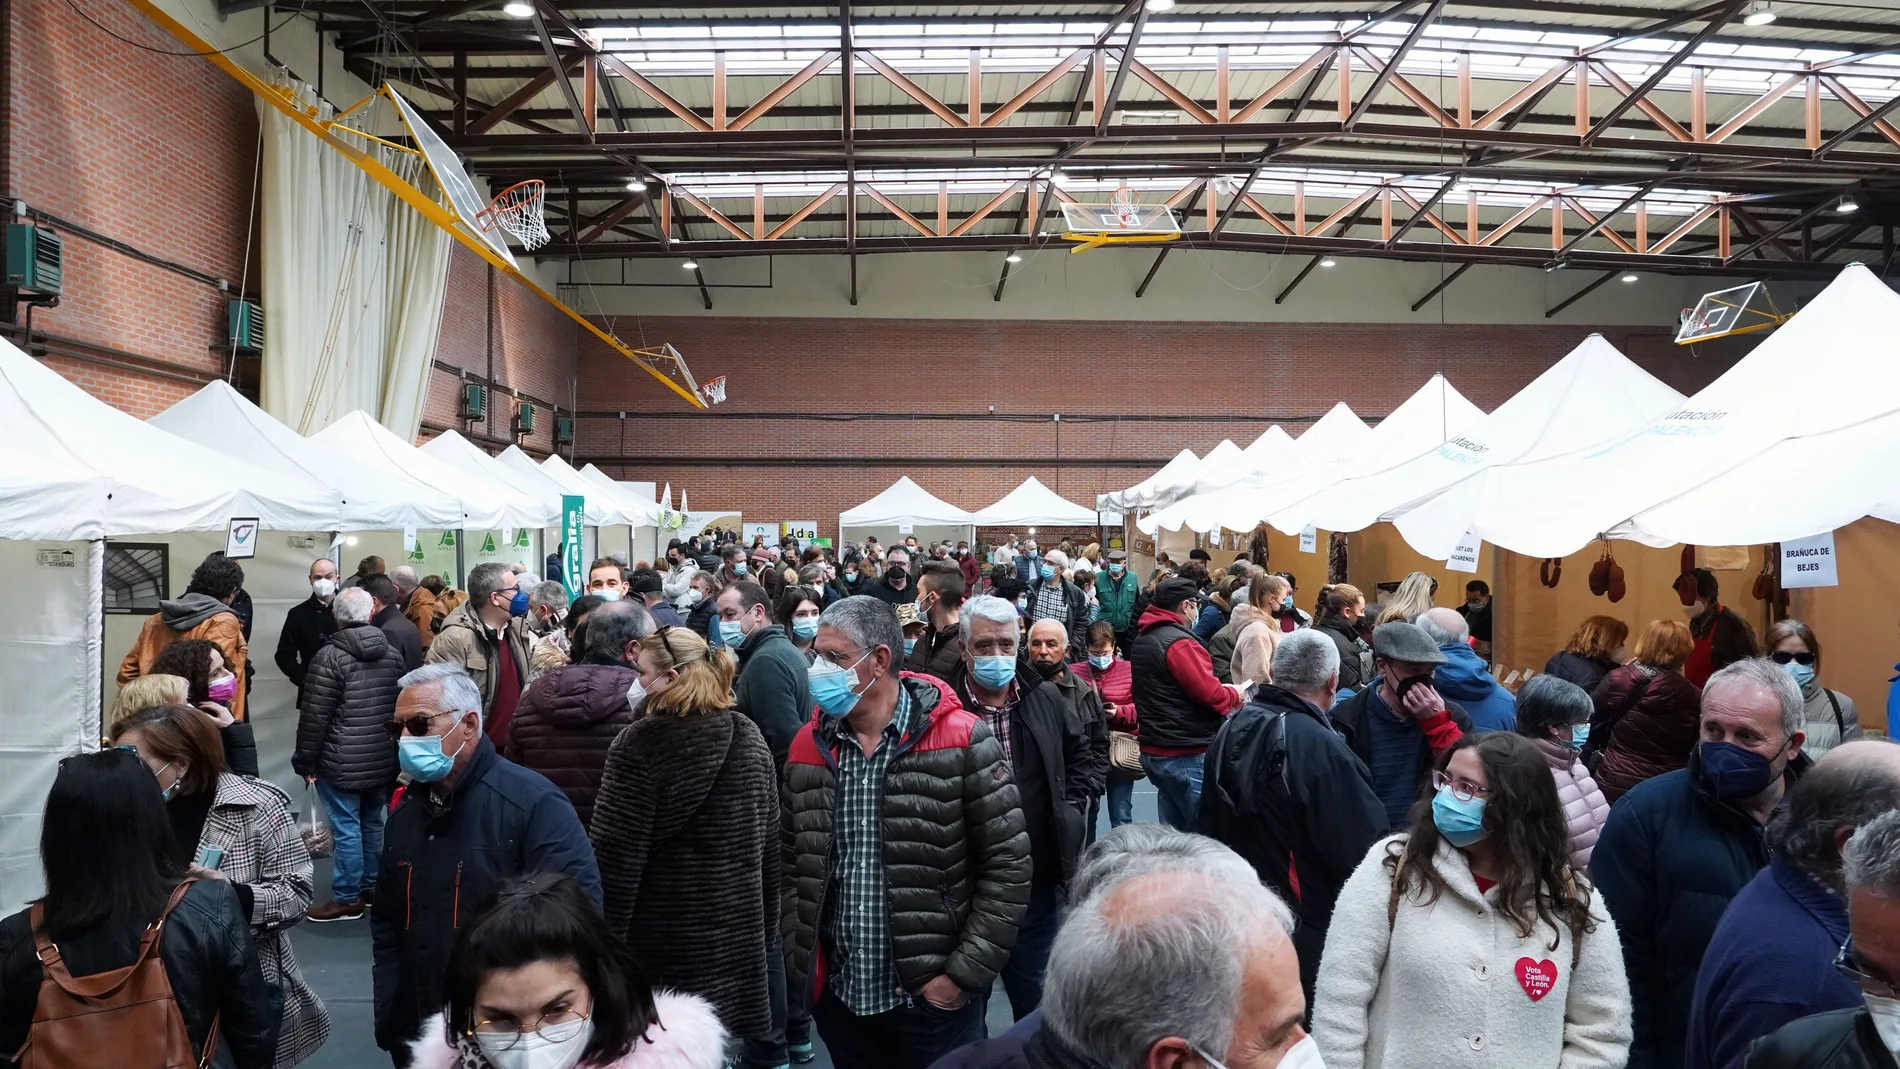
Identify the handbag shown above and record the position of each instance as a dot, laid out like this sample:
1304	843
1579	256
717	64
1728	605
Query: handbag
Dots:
1124	753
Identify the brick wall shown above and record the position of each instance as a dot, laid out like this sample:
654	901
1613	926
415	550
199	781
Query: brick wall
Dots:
533	354
154	151
792	443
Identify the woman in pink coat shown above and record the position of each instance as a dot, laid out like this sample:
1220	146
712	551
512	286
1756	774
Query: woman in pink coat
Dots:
1555	715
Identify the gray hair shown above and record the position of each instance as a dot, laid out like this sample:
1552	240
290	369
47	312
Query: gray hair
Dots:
455	690
611	626
548	595
353	606
517	567
1057	558
1871	859
1061	628
1848	787
987	607
619	556
868	622
405	578
1771	677
1545	702
1444	625
812	575
1121	979
1305	661
485	579
1146	847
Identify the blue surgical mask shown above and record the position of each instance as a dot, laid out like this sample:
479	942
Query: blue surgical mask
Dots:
909	645
1048	571
1579	734
1286	603
1459	821
1734	772
738	567
1803	673
1102	662
832	685
994	672
607	593
165	793
805	627
1022	603
423	759
731	632
1116	569
519	606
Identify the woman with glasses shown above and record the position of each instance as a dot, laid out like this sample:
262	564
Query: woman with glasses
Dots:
1469	940
538	981
238	830
1832	718
686	832
797	611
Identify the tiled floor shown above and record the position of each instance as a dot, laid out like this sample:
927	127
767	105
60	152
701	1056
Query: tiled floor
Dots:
336	959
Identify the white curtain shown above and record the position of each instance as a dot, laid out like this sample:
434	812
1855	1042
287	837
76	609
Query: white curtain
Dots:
354	280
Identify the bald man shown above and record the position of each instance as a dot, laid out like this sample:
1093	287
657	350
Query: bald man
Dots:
1048	655
1771	959
1464	677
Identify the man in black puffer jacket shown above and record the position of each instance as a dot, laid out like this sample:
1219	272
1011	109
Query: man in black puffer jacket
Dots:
905	855
570	716
344	749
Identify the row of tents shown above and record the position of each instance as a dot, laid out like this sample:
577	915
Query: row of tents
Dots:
905	508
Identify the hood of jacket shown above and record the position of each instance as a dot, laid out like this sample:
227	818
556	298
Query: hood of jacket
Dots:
464	615
578	696
1155	614
689	1036
363	642
1463	677
1244	614
190	610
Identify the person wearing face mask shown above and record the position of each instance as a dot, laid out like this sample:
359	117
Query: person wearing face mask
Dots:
1116	590
851	579
797	612
486	637
969	565
1721	637
1109	674
1340	607
733	566
469	819
236	830
1048	651
686	829
343	749
897	585
1678	847
1866	1036
772	689
1253	634
204	611
607	579
1555	715
1477	613
1467	941
571	715
894	963
940	596
209	688
308	624
538	981
680	566
1399	725
1771	959
1053	597
703	602
1054	766
1831	716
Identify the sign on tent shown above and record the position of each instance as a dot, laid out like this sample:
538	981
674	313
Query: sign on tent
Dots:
1464	555
240	538
803	530
1809	562
1309	539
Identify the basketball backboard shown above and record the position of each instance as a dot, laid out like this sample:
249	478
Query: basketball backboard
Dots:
1122	221
1736	310
465	199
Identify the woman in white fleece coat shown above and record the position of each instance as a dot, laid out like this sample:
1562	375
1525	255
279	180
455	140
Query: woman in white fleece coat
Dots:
539	981
1489	951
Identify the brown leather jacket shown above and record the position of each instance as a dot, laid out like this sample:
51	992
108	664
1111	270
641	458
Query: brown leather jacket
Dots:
423	610
222	628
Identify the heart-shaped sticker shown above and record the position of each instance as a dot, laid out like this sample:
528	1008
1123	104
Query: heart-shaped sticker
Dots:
1537	977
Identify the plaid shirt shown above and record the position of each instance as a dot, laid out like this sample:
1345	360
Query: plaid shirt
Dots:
1049	603
997	716
865	980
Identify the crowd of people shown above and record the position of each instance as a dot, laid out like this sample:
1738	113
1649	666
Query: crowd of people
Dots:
727	803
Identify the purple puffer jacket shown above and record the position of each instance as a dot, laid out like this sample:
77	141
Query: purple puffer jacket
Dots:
1585	808
567	720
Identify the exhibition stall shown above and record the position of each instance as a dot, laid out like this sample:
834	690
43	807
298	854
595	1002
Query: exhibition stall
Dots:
905	509
1032	504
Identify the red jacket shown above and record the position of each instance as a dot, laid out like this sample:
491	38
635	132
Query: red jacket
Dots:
1116	685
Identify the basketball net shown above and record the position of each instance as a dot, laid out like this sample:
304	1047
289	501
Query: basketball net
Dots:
714	390
517	211
1127	212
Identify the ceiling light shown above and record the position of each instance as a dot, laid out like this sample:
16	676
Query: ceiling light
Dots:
1760	13
1327	261
1013	258
1631	277
691	265
1059	177
520	9
1159	5
638	185
1847	204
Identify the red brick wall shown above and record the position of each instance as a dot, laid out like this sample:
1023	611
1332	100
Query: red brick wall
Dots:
155	151
789	466
533	354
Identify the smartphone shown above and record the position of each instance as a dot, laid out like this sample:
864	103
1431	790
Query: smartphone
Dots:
210	856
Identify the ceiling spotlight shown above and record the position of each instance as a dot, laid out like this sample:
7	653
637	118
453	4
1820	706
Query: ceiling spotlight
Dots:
1759	13
1013	258
1159	5
639	185
691	265
1059	177
1327	261
1631	277
1846	204
521	9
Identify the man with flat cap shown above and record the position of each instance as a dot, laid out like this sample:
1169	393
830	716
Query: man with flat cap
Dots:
1182	703
1397	724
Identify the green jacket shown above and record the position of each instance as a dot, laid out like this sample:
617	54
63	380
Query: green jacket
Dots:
1117	599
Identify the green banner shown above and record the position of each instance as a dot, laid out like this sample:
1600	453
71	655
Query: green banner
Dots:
573	558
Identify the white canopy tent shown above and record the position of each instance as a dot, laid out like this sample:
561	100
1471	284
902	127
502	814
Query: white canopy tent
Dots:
1803	423
1143	494
487	503
646	539
1434	413
619	506
1258	458
1593	395
452	449
1339	433
905	504
1032	504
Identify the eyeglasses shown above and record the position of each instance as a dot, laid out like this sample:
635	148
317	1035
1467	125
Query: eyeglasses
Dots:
415	725
1868	983
1783	657
1463	790
556	1027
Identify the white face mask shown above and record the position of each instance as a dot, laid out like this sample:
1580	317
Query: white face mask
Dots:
558	1047
324	587
636	694
1886	1017
1301	1055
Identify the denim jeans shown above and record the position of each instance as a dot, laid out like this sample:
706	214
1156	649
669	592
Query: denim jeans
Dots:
1177	781
912	1036
1121	799
356	827
1029	958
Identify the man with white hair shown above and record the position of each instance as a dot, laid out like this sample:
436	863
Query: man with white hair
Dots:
469	820
1286	792
1053	597
343	748
1464	677
1048	655
1679	846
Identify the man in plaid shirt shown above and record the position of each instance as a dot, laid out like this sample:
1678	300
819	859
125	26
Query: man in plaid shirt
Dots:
905	853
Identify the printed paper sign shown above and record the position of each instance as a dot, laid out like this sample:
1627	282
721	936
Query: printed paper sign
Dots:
1464	555
1309	539
409	540
1809	562
906	528
767	531
803	530
240	538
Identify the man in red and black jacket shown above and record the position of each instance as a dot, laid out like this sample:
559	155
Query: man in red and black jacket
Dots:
1182	703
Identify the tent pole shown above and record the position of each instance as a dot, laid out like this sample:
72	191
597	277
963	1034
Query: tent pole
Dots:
94	727
461	576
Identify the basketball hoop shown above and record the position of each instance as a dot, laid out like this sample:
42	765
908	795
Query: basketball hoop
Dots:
517	212
714	390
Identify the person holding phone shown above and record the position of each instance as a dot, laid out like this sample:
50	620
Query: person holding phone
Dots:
1398	724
